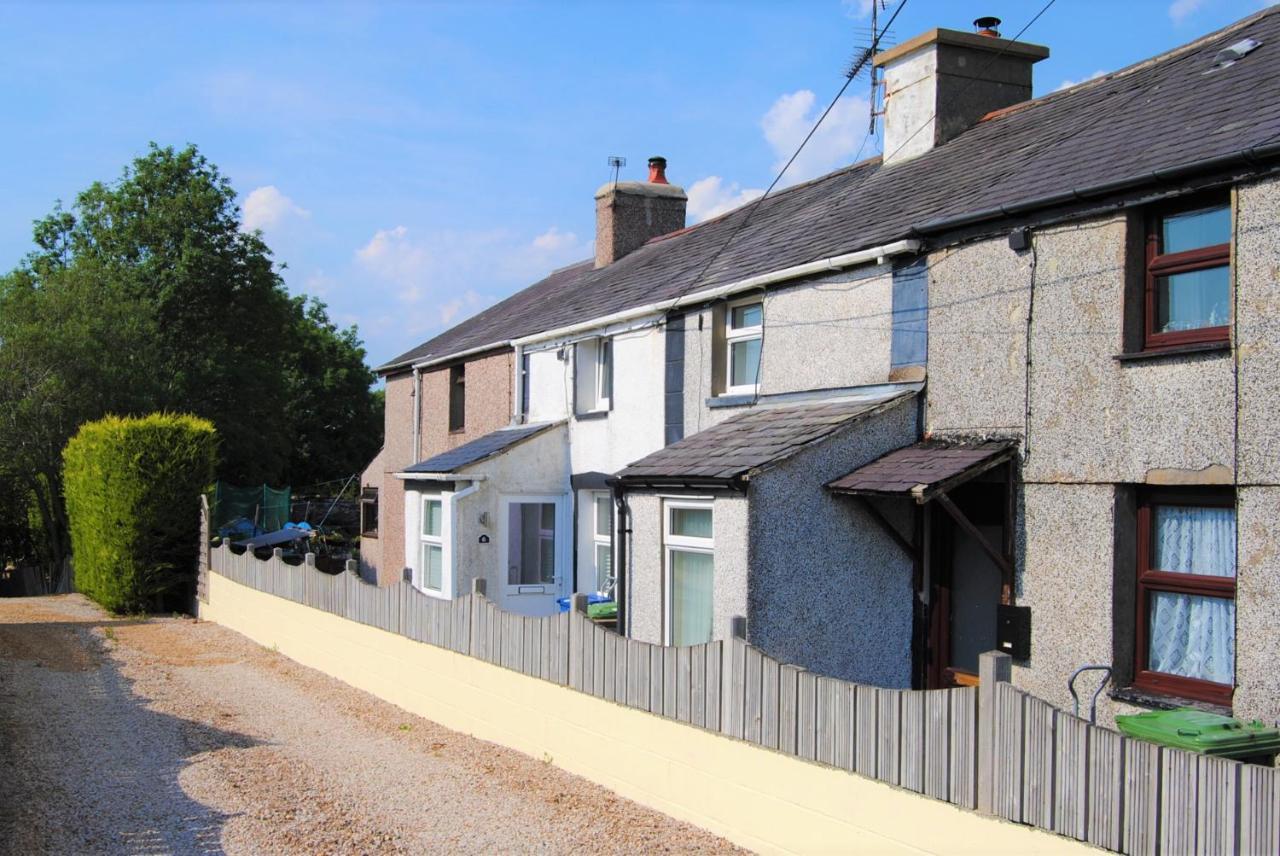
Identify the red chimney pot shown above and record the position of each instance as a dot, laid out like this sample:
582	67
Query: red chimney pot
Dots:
658	171
986	26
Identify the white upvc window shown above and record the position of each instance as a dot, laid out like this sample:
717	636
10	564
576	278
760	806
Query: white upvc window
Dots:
533	543
602	541
428	541
744	331
689	547
431	561
593	370
604	373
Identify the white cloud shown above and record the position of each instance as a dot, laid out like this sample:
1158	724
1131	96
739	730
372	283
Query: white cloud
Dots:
553	240
1067	84
437	279
266	207
1180	10
712	196
858	8
834	145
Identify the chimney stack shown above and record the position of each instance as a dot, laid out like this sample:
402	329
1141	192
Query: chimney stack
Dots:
942	82
629	213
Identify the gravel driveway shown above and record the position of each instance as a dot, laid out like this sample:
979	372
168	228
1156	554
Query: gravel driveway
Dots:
172	735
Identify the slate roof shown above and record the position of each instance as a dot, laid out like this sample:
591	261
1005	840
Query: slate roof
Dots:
742	444
478	449
1129	125
924	465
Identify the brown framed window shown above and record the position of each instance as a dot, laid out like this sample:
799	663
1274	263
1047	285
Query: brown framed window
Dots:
1188	274
458	397
369	512
1186	594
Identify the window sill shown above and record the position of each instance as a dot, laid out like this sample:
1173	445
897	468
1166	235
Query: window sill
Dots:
372	536
453	432
1174	351
732	400
1158	701
591	414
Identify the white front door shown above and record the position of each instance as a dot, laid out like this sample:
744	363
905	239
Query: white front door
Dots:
534	549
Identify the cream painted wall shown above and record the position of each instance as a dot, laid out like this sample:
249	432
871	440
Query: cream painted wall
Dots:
760	799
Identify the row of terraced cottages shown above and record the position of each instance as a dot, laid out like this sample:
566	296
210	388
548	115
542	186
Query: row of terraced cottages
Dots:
1013	385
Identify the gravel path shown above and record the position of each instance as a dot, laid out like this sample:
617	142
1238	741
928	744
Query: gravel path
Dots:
172	735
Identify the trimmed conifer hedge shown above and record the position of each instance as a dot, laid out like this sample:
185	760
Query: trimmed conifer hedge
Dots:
133	490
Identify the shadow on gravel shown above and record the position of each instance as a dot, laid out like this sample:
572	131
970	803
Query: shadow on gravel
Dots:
89	768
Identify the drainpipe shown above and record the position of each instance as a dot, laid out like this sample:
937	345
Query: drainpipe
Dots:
620	556
417	414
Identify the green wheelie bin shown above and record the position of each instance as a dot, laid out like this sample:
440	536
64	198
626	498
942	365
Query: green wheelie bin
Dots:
1206	733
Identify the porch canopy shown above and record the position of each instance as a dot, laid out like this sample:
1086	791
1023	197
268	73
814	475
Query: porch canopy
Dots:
925	473
448	463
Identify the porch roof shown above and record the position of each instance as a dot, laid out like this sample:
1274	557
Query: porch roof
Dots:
494	443
732	450
924	469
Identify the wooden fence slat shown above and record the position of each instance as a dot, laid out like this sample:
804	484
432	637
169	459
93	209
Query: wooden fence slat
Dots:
1038	757
889	738
698	691
912	756
1141	797
599	661
866	711
963	773
656	679
1105	789
734	679
752	694
828	689
715	657
788	714
1010	737
684	683
807	715
770	709
937	744
1216	805
1071	777
1179	790
1259	809
845	726
670	680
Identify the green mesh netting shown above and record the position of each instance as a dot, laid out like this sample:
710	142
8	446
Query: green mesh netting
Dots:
267	508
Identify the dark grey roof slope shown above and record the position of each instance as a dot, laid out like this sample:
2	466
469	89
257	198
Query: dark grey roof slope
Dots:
744	443
1133	126
478	449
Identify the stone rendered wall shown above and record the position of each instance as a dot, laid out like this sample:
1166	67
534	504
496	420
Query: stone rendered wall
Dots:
828	588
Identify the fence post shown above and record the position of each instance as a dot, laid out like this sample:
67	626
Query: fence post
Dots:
477	604
994	667
738	627
579	603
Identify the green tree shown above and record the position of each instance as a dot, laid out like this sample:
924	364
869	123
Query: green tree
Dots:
146	295
336	419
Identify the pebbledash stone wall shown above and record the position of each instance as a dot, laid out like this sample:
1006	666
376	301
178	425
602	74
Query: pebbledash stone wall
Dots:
1094	427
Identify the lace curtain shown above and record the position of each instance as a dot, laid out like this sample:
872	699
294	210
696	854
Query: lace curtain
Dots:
1193	635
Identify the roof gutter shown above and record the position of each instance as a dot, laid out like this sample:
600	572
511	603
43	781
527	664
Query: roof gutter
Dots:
1252	156
872	254
471	477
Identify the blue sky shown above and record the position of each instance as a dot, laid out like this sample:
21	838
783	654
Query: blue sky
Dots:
413	163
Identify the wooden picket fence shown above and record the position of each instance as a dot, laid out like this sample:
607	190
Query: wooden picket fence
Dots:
994	747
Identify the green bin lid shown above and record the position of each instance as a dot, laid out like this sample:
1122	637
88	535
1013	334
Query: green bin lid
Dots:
1201	731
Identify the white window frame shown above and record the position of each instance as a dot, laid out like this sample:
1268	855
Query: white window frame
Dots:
599	540
415	509
734	335
684	544
562	534
604	369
